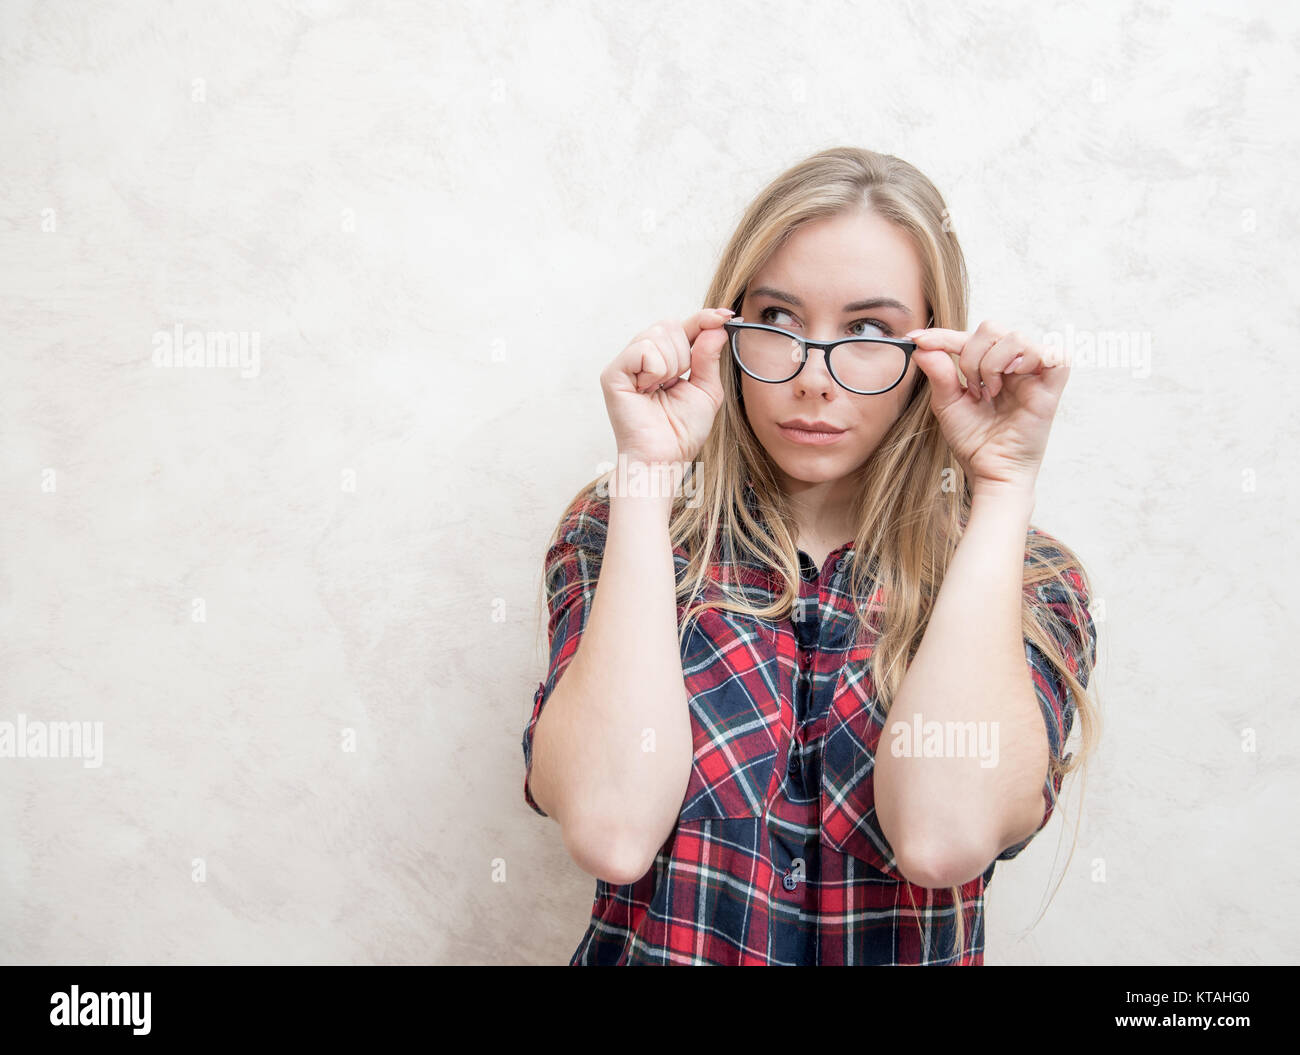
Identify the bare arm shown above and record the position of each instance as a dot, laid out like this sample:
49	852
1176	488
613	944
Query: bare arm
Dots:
613	745
947	818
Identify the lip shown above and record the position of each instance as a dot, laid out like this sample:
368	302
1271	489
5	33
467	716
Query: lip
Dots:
814	433
809	426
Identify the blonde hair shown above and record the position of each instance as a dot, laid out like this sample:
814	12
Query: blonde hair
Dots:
906	521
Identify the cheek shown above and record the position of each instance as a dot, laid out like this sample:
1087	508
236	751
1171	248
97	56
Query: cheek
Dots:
879	416
756	397
897	402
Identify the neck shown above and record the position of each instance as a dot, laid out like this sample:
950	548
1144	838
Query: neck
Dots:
822	511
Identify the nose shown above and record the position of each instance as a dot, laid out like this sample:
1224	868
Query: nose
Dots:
815	375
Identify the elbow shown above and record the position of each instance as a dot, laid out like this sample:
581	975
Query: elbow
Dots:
607	852
939	854
941	863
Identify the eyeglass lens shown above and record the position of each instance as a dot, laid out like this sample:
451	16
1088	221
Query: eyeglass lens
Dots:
866	366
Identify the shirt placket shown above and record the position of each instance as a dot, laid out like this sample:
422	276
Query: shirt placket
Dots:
794	824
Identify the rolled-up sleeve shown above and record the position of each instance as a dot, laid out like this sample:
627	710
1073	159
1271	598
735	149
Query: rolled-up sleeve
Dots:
571	567
1056	702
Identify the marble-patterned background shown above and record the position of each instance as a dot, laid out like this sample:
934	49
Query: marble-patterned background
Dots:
301	593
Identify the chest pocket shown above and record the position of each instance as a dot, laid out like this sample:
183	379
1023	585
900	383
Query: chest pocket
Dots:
854	724
730	665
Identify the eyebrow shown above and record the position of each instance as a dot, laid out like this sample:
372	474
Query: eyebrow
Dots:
870	304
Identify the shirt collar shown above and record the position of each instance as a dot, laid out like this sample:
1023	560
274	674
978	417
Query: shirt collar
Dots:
846	550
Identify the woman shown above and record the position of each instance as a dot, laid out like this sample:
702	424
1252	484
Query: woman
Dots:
835	541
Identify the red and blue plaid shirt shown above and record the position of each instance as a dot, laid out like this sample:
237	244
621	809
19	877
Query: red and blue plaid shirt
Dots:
777	856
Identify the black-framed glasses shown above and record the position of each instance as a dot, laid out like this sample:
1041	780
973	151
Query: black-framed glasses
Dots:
866	366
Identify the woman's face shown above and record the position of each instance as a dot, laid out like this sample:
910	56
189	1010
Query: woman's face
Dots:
815	286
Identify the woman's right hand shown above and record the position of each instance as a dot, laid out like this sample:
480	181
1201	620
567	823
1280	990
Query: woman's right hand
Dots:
658	415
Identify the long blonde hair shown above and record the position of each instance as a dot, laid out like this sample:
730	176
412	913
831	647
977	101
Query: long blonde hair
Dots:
914	500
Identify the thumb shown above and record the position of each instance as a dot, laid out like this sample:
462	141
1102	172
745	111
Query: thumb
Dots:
941	371
706	355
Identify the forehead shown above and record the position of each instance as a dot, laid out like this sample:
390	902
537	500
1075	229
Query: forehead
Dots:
838	259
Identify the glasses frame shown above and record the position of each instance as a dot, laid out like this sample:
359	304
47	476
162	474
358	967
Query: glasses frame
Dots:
735	326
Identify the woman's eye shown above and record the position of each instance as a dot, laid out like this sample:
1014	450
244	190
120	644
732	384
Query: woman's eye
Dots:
873	328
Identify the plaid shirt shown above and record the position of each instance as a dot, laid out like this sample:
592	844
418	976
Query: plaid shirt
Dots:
777	856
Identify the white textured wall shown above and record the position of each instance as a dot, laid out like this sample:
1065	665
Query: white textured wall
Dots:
441	221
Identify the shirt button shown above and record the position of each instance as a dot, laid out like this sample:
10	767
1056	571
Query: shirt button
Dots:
793	765
789	881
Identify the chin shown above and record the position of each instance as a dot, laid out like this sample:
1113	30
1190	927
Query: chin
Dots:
814	469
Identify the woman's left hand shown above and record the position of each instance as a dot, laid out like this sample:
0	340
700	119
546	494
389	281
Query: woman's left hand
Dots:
998	431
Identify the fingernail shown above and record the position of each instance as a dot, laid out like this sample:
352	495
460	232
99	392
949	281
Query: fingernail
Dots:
1010	368
724	311
913	333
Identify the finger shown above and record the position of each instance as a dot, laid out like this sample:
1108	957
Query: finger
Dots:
1055	377
938	337
984	337
996	359
630	362
941	372
681	347
668	355
1034	360
1028	360
1051	368
705	318
706	355
649	364
955	342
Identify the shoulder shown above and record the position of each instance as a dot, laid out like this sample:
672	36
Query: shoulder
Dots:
1058	590
579	536
573	554
585	520
1053	568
